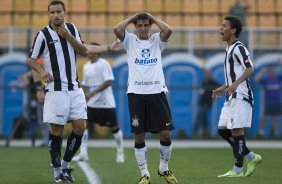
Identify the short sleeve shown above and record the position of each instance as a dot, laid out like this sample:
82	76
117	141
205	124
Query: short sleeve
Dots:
107	72
125	41
243	56
162	44
38	46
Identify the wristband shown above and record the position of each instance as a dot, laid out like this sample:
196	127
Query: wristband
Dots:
38	86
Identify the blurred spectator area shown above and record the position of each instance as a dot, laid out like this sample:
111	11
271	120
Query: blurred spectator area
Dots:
195	22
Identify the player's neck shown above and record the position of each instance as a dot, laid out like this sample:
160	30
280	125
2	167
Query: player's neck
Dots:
231	41
94	60
144	38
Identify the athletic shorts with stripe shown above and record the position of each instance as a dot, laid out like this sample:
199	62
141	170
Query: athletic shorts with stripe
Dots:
149	113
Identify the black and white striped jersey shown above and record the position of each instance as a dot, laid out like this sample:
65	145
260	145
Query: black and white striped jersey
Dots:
59	57
237	59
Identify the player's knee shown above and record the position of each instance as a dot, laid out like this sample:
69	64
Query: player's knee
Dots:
165	136
139	138
79	129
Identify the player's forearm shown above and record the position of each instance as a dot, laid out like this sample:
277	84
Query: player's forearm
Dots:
247	73
78	47
101	88
166	30
97	49
34	65
120	27
35	75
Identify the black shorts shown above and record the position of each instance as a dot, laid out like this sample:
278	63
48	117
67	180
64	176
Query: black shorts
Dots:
149	113
102	116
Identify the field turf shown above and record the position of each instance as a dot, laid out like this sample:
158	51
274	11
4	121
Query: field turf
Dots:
189	165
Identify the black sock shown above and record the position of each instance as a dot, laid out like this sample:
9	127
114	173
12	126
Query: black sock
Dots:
139	146
73	144
239	147
227	135
55	145
165	143
115	130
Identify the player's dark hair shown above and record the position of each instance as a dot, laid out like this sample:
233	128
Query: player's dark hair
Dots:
56	2
235	24
142	16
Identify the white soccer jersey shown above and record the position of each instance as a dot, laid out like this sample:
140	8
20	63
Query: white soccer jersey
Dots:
237	59
59	57
144	64
94	75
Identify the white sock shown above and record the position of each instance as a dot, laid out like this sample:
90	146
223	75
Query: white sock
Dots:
141	157
237	169
57	171
250	156
65	164
165	152
119	140
84	145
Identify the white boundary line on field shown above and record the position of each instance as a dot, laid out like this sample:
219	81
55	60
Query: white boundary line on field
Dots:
89	172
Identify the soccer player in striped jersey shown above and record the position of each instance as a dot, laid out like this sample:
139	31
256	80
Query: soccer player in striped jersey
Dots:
236	113
148	106
64	98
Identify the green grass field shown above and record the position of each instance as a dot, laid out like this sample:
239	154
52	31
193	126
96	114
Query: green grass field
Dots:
190	166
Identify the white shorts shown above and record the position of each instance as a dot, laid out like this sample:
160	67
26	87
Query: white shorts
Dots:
236	113
63	106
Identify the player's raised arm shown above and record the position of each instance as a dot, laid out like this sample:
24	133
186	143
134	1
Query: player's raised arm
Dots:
78	47
120	27
166	30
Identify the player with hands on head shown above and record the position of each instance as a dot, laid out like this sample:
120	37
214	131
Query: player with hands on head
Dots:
148	105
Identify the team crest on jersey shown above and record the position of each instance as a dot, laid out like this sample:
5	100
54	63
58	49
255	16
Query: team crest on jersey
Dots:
135	121
145	53
146	60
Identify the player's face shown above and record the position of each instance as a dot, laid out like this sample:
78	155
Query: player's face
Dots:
225	31
143	29
56	15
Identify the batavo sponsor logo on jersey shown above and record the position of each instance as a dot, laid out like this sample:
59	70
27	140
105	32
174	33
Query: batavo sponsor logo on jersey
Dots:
146	82
146	60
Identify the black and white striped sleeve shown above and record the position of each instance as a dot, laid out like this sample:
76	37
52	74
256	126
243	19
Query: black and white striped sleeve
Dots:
243	56
38	46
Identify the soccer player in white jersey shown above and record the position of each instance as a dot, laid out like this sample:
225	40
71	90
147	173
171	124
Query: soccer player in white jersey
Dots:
236	113
97	79
148	106
64	99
